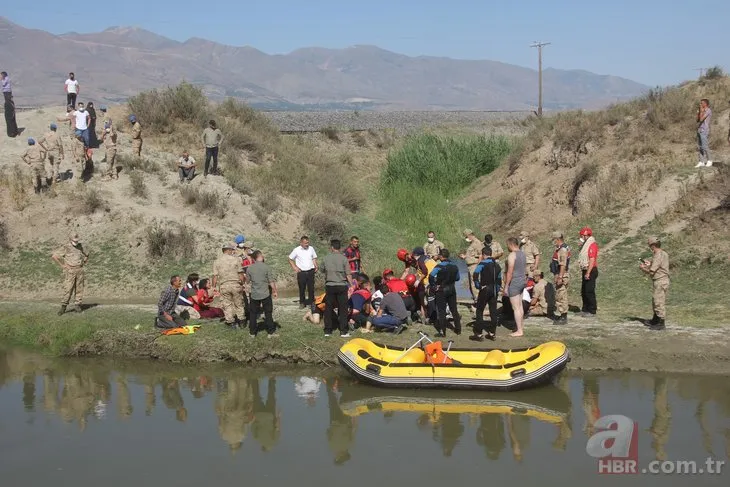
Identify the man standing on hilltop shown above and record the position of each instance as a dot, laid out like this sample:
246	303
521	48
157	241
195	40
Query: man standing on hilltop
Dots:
51	143
72	258
212	139
9	106
136	136
704	118
72	89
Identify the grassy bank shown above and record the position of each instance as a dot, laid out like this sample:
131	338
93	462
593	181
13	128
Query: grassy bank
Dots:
110	331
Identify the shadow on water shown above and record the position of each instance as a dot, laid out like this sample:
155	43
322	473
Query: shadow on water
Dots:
326	417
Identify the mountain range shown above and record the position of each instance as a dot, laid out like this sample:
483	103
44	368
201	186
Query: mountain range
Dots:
119	62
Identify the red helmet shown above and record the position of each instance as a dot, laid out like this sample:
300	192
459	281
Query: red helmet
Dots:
411	280
402	255
387	272
586	231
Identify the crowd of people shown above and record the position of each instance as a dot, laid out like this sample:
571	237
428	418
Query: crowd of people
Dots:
425	292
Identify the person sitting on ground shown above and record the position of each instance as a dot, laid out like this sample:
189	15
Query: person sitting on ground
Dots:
263	288
185	299
202	300
392	314
166	315
375	299
314	315
538	303
359	302
186	167
399	286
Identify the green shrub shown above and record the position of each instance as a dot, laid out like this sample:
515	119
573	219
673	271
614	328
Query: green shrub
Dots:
160	110
331	133
132	163
166	240
326	221
715	72
267	204
88	201
443	164
208	202
137	184
4	245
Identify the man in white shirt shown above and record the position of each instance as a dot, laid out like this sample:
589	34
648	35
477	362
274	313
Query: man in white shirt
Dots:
81	122
303	260
72	89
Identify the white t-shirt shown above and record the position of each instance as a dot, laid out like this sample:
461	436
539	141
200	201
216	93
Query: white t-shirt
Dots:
81	120
303	258
72	86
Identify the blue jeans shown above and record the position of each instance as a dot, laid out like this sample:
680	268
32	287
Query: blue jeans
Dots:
703	145
84	135
387	321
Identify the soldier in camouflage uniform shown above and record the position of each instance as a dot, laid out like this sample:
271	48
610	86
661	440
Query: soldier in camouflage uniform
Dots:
72	258
34	156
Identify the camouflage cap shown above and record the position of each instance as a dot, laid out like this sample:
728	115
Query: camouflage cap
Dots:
558	234
653	240
228	247
524	234
247	245
75	236
467	232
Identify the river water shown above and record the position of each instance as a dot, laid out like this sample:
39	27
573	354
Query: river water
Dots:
93	422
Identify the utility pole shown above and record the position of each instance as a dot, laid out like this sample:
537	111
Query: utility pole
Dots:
702	71
539	46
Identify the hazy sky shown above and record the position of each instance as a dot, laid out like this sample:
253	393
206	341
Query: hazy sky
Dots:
650	41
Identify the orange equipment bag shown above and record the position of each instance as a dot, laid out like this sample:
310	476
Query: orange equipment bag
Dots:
435	354
181	330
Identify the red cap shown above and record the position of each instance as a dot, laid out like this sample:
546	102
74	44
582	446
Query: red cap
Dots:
387	271
586	231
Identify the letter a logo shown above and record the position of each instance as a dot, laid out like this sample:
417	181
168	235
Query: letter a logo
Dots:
616	438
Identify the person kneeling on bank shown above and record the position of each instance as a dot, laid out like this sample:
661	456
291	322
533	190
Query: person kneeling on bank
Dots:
166	315
392	313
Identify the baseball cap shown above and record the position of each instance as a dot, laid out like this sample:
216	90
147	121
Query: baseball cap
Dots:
75	236
53	126
228	247
418	251
247	245
524	234
653	240
102	108
558	234
31	141
467	232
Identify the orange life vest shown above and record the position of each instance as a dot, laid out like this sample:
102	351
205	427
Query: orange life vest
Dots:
435	354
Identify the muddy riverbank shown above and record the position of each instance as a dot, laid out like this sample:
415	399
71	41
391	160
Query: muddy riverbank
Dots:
126	331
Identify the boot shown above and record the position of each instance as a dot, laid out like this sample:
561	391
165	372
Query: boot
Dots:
659	325
564	318
654	320
62	310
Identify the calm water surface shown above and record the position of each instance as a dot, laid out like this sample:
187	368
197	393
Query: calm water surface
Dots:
99	423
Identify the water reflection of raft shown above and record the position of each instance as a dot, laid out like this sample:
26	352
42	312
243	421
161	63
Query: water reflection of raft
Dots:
550	405
487	369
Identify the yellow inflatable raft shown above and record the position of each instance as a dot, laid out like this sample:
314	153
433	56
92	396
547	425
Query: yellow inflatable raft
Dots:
431	366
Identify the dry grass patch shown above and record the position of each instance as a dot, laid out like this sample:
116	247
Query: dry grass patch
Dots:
167	240
207	202
137	185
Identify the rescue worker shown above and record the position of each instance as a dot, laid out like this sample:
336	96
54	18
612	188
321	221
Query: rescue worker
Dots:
51	143
432	247
559	266
658	270
443	281
72	258
531	251
588	262
488	279
497	251
423	267
109	139
34	156
472	256
538	303
228	277
136	136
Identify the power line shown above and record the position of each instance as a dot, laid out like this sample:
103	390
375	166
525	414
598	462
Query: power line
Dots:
539	46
